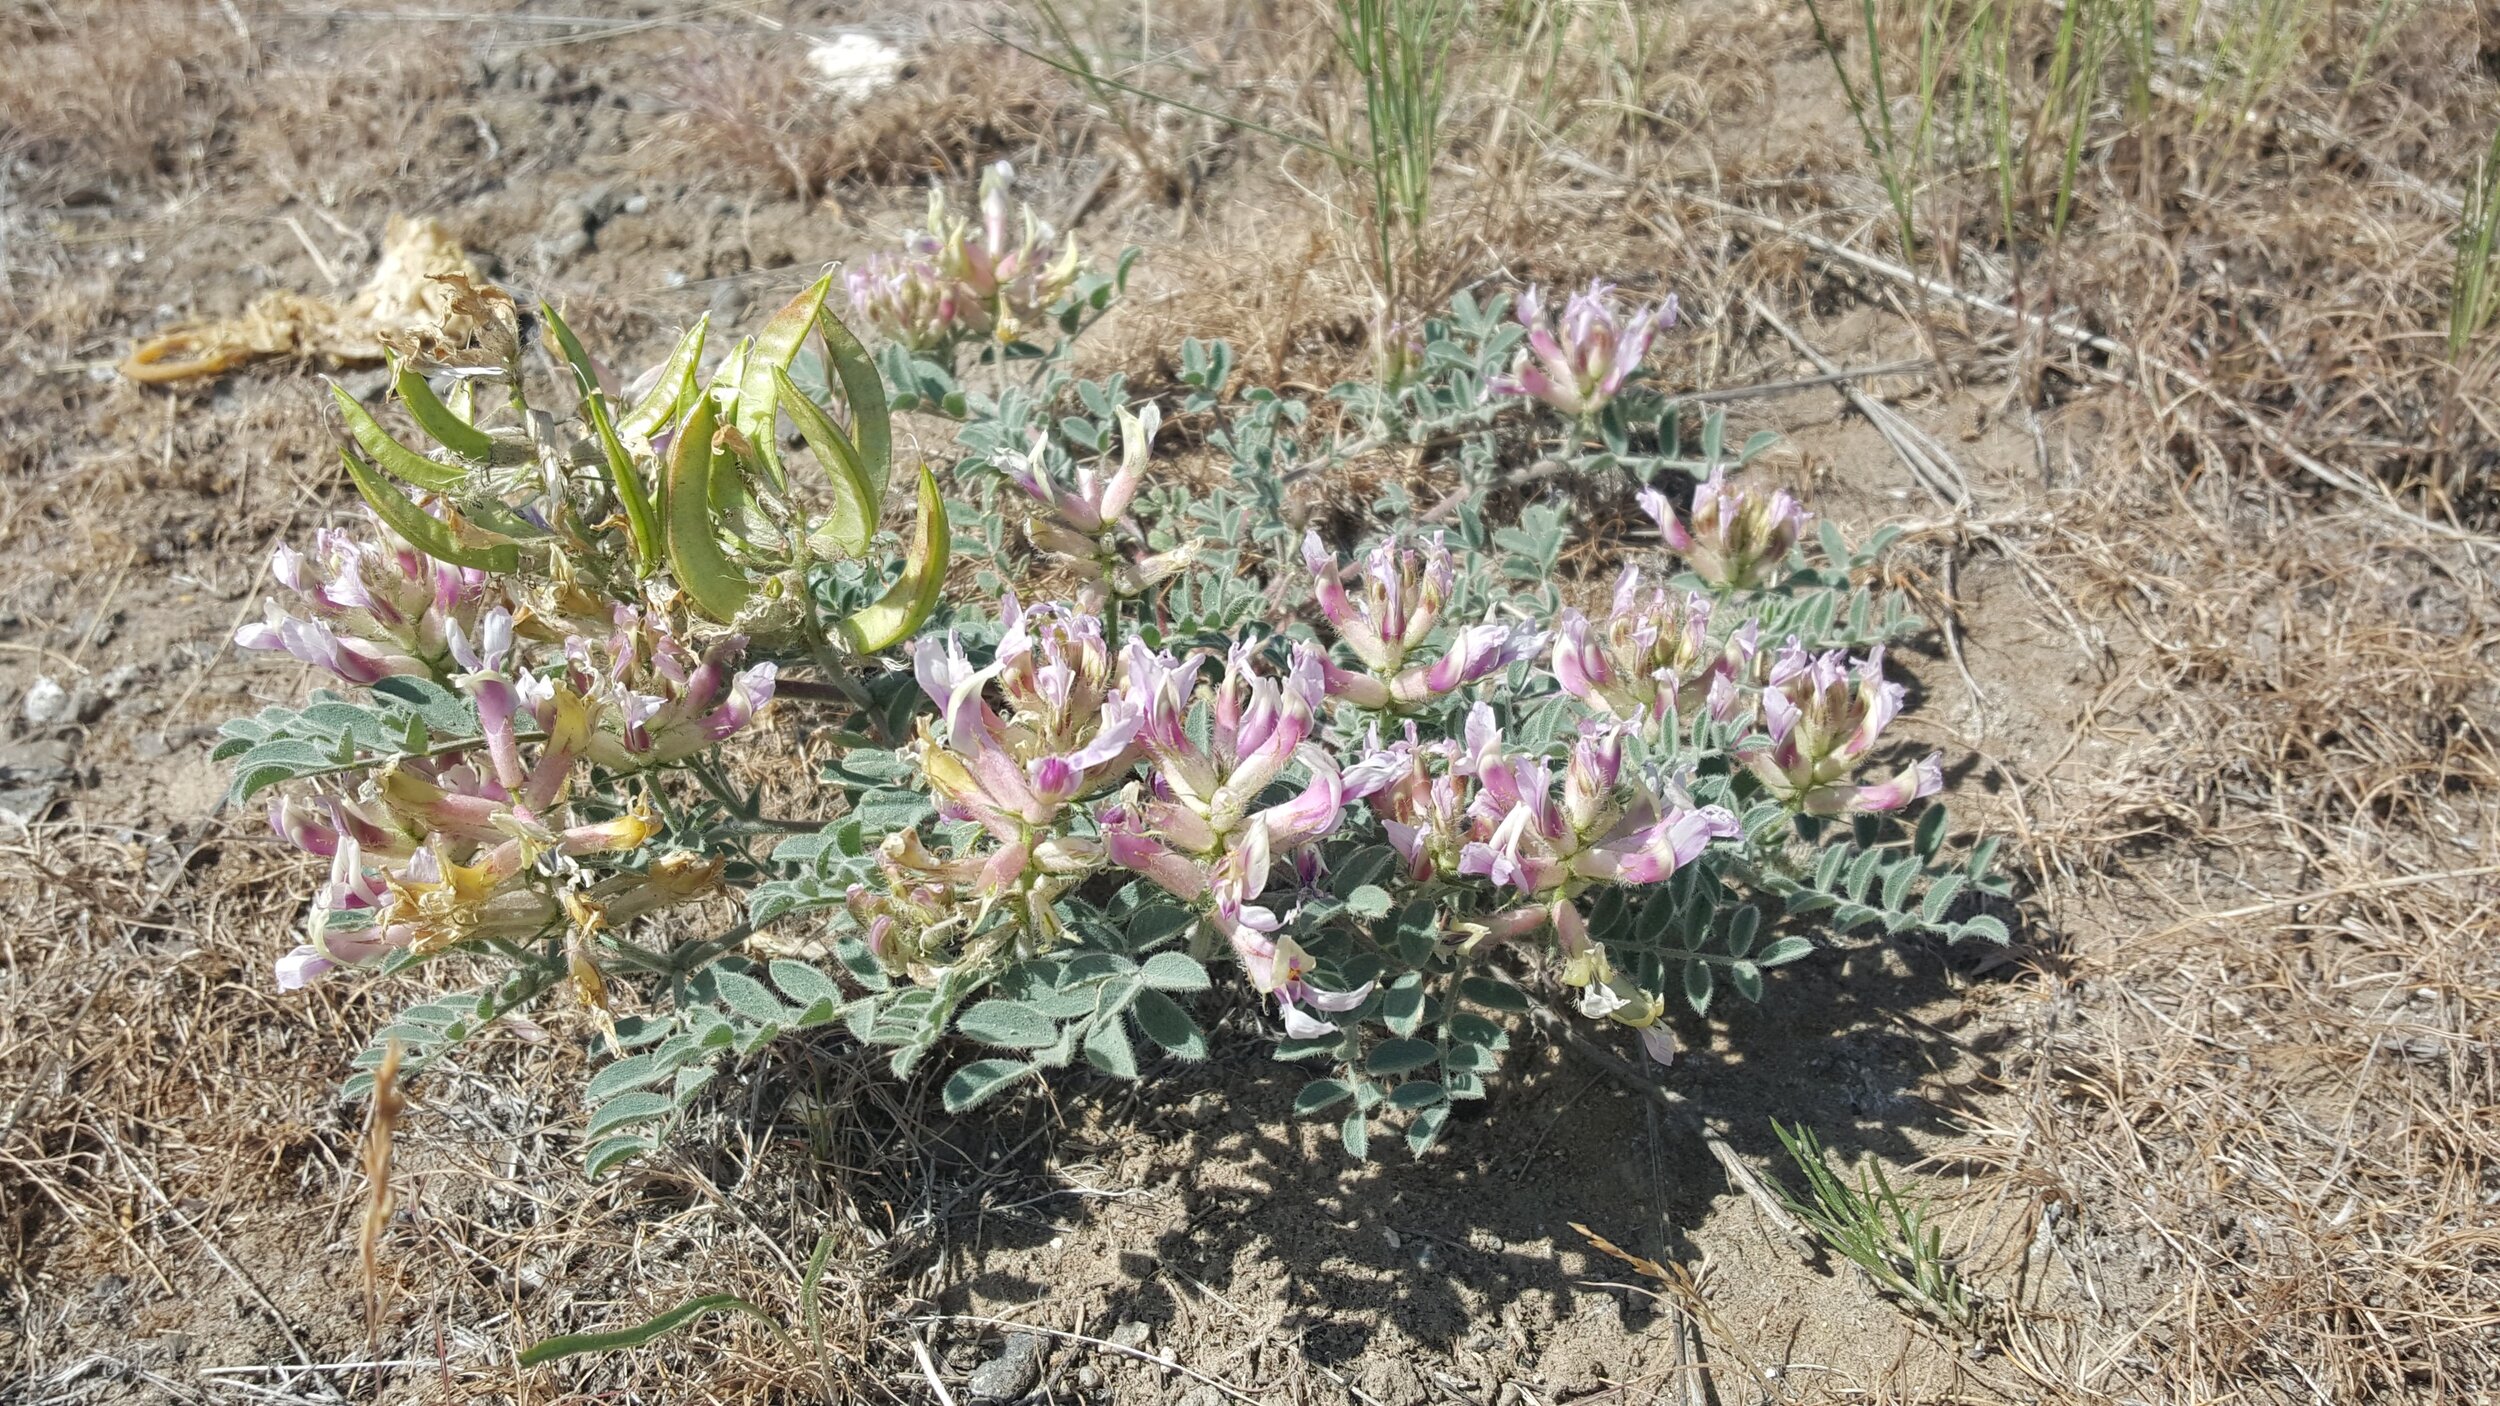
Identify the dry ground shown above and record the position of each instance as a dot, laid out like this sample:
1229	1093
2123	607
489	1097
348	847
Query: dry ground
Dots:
2221	1126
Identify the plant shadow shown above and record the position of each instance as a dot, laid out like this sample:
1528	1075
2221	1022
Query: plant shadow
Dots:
1233	1206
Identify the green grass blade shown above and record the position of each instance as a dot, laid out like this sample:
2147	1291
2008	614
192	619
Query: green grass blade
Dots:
574	1344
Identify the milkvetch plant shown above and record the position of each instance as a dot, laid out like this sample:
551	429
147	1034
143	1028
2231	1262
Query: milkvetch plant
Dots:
1397	788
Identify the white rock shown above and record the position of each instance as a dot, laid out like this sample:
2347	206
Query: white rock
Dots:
853	66
47	702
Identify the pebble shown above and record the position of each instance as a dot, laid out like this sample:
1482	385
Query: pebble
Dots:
1016	1369
1133	1334
47	702
1089	1377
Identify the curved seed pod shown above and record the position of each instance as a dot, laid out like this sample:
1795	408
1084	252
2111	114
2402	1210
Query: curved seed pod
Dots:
853	519
570	345
729	490
675	388
774	348
872	427
640	520
392	455
419	529
915	593
703	571
439	421
626	477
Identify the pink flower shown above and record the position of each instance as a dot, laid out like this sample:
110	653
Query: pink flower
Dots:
1822	716
1402	591
905	297
1652	658
1066	732
365	609
1737	536
1203	790
1092	504
1398	600
1580	364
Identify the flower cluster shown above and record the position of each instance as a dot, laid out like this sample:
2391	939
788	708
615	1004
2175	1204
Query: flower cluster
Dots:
1653	658
1403	588
482	844
368	607
1823	715
1737	535
1469	807
1401	787
1082	511
1580	363
954	282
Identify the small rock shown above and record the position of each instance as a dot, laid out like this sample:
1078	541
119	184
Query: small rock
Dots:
635	205
1016	1369
567	230
121	681
1133	1335
47	702
1204	1396
1089	1377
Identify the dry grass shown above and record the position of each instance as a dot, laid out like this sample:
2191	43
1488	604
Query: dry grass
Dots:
101	102
2267	1066
748	110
